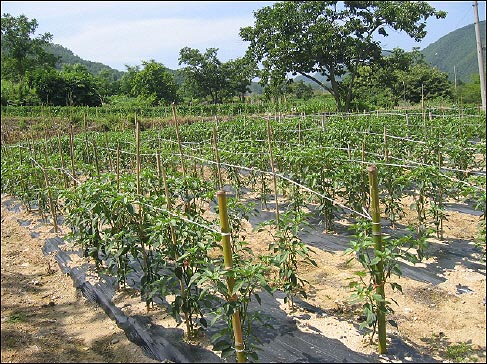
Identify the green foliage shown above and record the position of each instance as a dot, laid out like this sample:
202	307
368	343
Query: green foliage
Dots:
319	167
204	73
154	83
469	93
20	52
206	76
73	86
80	86
325	38
459	353
17	318
401	76
18	94
287	250
364	284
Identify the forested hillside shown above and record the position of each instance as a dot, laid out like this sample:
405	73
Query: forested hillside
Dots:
457	49
68	57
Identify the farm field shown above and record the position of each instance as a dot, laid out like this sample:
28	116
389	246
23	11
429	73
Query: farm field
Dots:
144	203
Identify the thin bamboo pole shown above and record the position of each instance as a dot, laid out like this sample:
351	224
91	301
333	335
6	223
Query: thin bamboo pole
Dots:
140	208
95	150
173	240
71	146
271	155
63	166
137	153
178	137
51	203
109	154
379	267
227	257
85	123
118	166
217	157
20	155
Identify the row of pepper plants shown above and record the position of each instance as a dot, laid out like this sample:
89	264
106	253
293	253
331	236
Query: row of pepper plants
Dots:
320	163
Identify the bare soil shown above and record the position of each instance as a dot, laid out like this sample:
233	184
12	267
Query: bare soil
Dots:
45	319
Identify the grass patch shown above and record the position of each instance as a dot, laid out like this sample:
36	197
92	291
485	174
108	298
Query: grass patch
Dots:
17	317
460	353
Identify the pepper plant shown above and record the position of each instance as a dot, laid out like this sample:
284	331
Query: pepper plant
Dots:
287	250
364	284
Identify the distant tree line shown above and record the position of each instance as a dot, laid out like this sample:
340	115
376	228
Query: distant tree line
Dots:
327	43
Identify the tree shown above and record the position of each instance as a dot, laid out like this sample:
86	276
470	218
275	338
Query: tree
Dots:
108	83
422	80
398	76
127	80
470	92
306	37
240	72
20	52
301	90
80	86
49	86
204	74
154	82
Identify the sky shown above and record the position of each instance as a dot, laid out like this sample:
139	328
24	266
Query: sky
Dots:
120	33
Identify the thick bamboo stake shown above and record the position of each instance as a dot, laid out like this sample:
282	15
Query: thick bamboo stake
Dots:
323	121
179	137
227	257
379	267
269	136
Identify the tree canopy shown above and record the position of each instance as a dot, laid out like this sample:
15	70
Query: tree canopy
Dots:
399	77
154	82
205	75
329	37
21	52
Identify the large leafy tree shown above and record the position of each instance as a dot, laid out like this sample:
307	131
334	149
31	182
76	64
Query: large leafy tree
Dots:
80	86
329	37
73	86
205	74
49	86
154	82
240	72
400	76
21	52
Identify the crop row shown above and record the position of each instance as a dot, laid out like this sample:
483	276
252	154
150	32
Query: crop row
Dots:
156	218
